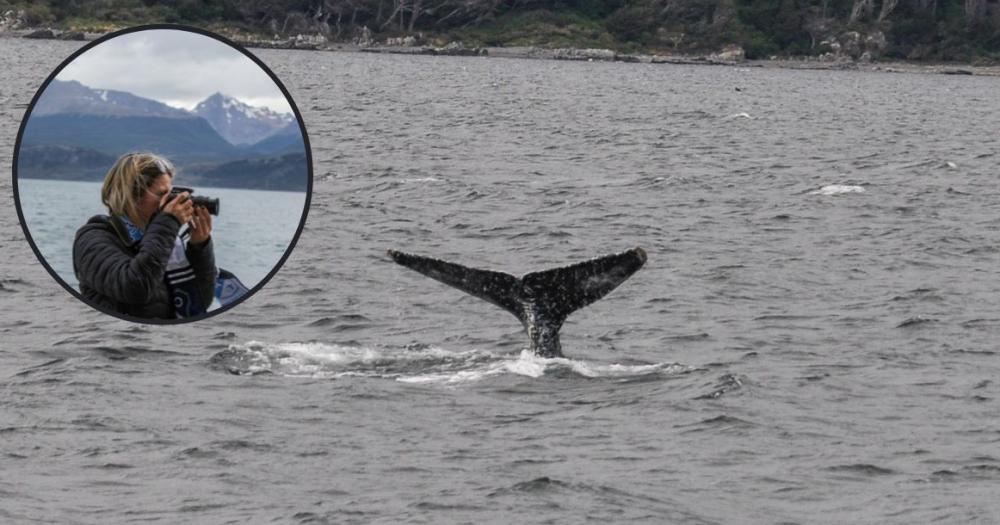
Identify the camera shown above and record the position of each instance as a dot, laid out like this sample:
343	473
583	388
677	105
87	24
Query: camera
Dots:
212	205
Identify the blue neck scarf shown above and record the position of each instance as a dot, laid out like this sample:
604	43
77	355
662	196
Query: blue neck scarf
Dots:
134	232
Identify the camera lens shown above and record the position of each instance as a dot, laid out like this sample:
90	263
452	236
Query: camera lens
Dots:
210	204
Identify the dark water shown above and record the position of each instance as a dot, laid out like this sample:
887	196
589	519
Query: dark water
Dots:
812	340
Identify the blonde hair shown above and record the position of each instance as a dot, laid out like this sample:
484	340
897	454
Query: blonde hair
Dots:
128	179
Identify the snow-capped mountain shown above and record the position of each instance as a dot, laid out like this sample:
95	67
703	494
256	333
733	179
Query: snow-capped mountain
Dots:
73	98
235	121
112	122
240	123
75	132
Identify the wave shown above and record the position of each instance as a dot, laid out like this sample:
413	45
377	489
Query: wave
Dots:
738	115
416	364
421	179
837	189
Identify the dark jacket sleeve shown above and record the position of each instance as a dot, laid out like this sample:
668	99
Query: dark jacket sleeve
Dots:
106	265
202	259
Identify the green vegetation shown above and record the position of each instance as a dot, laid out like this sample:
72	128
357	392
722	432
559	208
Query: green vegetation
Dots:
541	28
963	30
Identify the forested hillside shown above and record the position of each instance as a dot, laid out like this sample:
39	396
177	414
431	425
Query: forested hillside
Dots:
960	30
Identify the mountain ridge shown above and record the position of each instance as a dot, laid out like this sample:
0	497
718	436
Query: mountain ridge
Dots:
72	97
238	122
76	132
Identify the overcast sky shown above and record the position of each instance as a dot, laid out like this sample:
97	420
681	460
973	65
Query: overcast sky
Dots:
178	68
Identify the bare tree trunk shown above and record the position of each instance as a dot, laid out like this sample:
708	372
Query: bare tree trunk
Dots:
486	10
449	15
324	24
974	9
862	9
399	7
817	25
887	7
322	17
415	13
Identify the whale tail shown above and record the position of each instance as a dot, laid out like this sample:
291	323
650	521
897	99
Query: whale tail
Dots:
540	300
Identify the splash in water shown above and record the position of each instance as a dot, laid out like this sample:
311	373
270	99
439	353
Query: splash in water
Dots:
415	364
837	189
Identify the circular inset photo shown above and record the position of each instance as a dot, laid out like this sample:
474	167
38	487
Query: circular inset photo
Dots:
162	174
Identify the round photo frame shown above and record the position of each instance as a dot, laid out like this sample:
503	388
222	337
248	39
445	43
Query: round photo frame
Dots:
301	129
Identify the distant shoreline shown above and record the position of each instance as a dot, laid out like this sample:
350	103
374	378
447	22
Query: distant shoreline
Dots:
599	55
574	54
200	187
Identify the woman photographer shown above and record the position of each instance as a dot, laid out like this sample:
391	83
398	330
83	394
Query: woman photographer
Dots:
137	261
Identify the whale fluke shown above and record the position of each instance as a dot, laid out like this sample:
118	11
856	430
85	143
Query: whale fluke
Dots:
540	300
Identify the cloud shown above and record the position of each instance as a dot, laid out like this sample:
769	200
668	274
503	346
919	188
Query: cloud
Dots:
176	67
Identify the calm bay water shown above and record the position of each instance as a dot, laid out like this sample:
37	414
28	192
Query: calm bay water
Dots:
813	338
250	235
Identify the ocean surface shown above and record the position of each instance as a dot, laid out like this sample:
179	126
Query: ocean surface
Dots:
250	234
812	340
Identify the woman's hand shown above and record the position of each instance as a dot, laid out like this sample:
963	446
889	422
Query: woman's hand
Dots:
201	225
180	207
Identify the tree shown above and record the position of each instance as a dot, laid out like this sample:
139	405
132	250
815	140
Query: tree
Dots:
861	10
974	10
887	7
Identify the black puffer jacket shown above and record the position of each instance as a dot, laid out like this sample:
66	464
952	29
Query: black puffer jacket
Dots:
124	276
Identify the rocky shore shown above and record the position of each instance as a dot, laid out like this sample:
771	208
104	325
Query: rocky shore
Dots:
854	54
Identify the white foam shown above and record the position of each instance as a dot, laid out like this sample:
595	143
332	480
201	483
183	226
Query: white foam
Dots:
619	370
318	352
738	115
422	179
330	360
837	189
461	376
528	364
423	365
